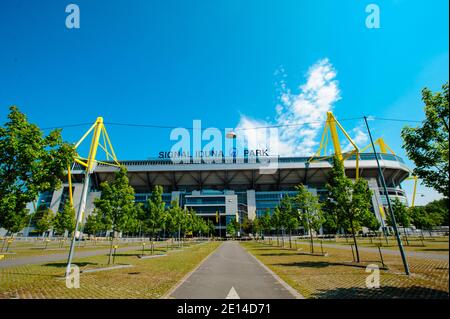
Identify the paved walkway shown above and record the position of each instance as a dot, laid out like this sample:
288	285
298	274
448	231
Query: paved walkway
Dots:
231	272
33	260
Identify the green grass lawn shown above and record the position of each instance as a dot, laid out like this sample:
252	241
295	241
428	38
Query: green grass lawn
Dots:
337	276
436	245
38	248
148	278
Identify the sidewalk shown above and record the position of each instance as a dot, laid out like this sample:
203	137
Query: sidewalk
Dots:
233	273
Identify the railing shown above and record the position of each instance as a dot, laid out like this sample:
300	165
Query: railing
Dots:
246	160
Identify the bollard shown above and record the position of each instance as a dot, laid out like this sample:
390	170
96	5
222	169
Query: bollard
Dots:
143	246
114	254
9	243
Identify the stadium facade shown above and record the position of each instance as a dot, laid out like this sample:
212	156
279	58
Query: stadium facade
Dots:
239	187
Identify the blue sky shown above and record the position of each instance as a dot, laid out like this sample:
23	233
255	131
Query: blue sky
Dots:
223	62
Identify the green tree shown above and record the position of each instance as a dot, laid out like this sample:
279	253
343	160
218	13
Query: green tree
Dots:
438	211
420	217
93	224
203	226
330	224
372	223
289	217
339	193
257	227
154	213
265	221
351	201
30	163
178	217
311	215
170	224
232	228
276	222
428	216
116	204
427	145
247	225
43	219
190	222
400	213
64	220
211	228
166	221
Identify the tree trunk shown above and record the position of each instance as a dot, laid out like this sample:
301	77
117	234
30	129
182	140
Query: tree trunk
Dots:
356	244
46	242
151	241
290	241
312	240
406	236
278	237
7	246
4	241
111	247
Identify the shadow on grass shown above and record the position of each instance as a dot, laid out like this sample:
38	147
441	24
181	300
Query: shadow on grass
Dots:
323	264
64	264
126	255
33	274
293	253
273	248
388	292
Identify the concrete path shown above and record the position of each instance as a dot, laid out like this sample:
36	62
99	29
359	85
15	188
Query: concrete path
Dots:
33	260
231	272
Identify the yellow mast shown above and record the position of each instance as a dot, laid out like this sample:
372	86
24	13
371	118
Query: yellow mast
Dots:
331	128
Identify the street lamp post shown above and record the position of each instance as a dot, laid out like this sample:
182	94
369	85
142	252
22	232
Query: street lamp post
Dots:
383	183
220	225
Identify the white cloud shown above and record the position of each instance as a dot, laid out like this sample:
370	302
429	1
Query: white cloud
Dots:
359	137
310	106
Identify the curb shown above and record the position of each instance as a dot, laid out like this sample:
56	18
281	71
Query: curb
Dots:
104	269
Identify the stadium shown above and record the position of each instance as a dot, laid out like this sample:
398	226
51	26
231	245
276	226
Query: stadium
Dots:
224	188
230	188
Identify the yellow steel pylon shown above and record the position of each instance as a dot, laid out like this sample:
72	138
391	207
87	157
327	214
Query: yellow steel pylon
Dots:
415	178
384	148
330	130
99	136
